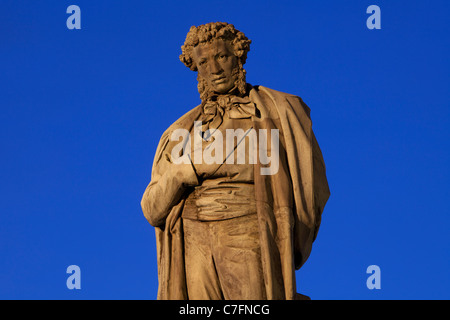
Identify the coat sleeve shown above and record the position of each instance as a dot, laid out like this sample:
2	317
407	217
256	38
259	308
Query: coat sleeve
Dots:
311	174
167	185
321	188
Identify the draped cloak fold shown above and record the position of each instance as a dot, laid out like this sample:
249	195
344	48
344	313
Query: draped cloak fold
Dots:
289	203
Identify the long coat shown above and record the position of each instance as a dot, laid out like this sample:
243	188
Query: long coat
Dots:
289	204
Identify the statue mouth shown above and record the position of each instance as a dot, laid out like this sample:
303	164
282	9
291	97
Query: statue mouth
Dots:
219	80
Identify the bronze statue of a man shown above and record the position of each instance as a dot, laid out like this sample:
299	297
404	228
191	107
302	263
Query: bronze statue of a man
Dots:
238	183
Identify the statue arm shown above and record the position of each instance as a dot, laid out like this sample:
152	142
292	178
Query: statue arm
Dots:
166	188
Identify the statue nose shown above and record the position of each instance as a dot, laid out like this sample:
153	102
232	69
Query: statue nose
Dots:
215	68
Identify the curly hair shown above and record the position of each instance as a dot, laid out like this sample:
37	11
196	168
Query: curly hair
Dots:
208	32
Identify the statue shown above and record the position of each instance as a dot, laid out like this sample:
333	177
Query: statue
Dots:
238	183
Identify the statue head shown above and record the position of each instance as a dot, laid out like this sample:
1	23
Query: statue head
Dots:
217	51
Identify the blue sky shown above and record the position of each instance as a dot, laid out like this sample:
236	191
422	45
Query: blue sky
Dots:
82	112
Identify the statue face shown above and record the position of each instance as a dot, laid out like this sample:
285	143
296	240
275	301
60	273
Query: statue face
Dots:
215	63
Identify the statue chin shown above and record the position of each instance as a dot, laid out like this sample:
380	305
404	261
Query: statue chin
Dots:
223	90
223	87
